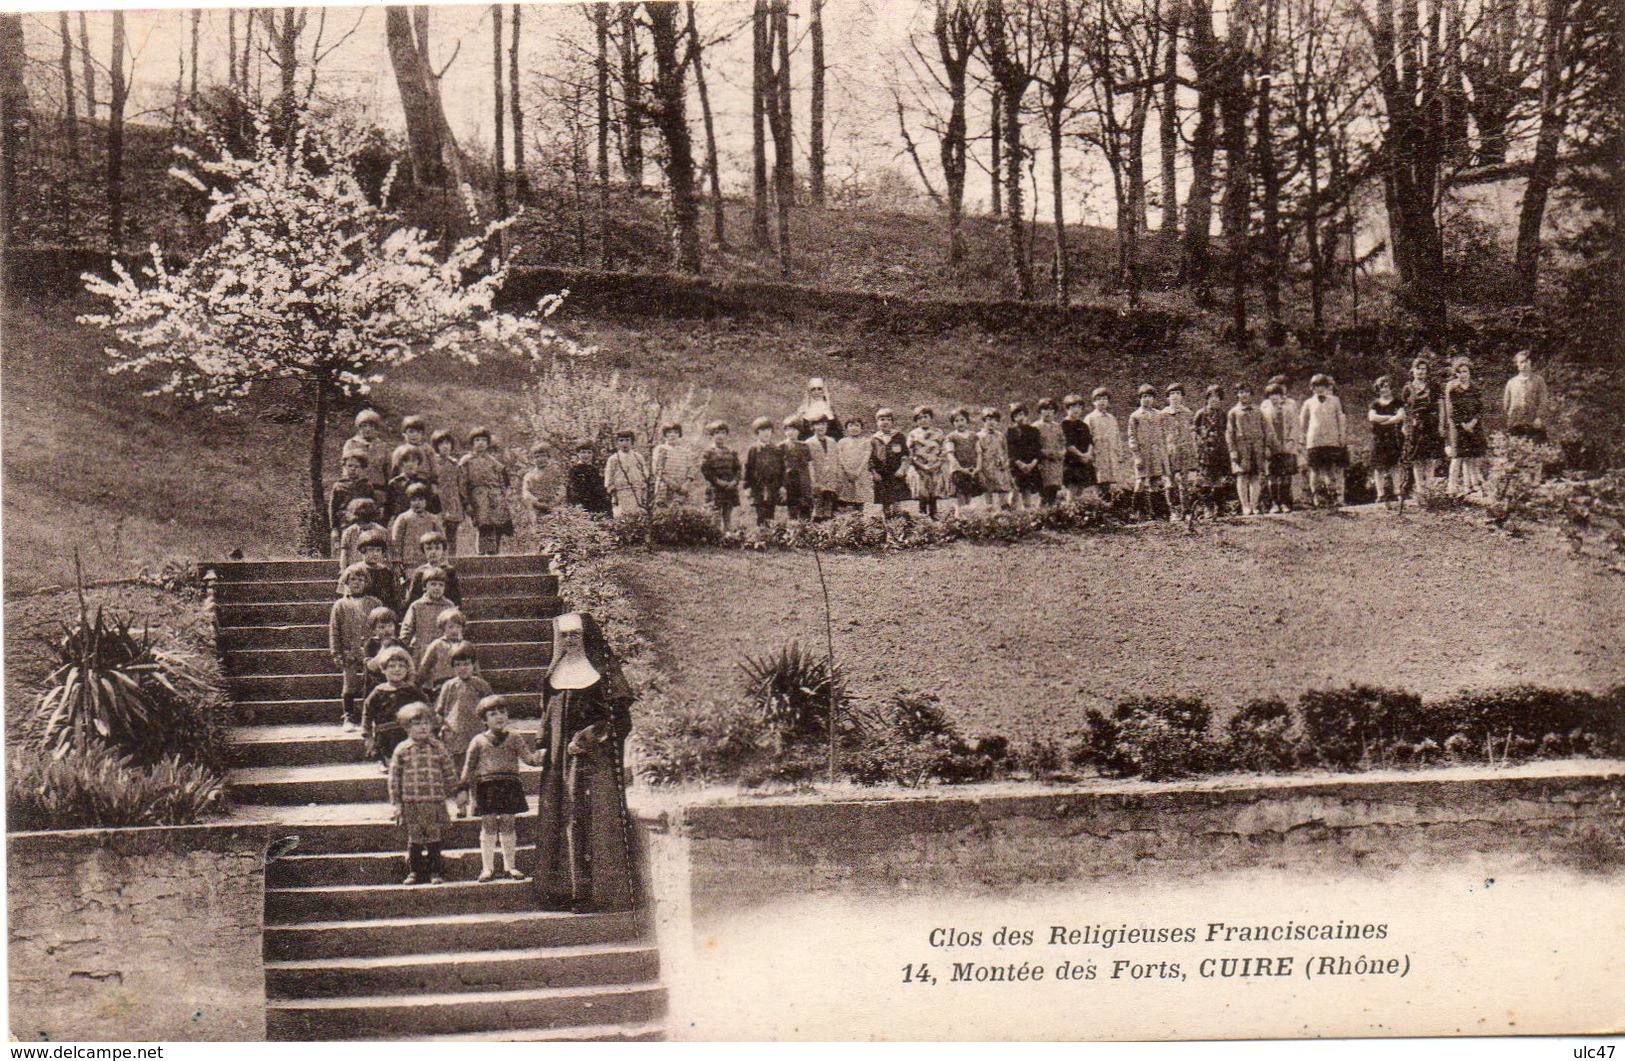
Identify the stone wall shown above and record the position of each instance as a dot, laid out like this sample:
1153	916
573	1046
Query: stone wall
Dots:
137	934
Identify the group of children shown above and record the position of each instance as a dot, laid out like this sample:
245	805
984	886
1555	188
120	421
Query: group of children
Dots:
419	485
401	646
1270	455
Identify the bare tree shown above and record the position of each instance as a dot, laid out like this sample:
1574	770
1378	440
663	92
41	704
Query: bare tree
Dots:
761	90
600	20
1168	127
14	118
1235	106
521	178
669	111
231	46
1269	173
1012	47
283	28
631	85
1204	55
944	65
779	125
499	125
719	226
437	162
995	162
90	67
197	26
70	109
1497	59
815	148
118	96
1058	22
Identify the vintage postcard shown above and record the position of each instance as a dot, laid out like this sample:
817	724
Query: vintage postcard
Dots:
825	520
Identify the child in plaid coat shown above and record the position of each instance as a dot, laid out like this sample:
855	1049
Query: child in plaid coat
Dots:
421	778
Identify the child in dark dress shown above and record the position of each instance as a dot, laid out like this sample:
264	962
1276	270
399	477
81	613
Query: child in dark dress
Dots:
720	467
584	485
360	517
1026	448
1387	417
379	727
382	580
1077	461
764	471
798	494
888	462
351	485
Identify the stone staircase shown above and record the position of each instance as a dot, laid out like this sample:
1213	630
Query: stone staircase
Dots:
349	952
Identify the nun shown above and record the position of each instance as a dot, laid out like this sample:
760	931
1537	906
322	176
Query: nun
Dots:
586	854
816	405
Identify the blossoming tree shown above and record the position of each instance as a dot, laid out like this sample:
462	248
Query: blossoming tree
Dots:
307	281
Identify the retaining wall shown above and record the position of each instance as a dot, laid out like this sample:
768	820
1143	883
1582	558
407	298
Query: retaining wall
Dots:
137	934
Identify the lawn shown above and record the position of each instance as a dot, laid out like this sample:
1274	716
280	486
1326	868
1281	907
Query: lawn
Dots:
1021	639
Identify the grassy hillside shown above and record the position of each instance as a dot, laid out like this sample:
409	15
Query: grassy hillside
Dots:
1020	640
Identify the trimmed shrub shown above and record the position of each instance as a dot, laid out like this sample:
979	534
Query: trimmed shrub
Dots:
1259	737
1348	728
97	788
696	740
1554	722
911	740
670	528
1158	737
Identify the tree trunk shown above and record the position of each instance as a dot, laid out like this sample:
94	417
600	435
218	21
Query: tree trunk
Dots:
1168	132
70	109
499	146
1058	205
761	77
784	144
1269	184
1543	167
117	94
955	33
90	67
1197	255
996	146
631	97
1134	160
248	48
1233	108
670	113
197	26
521	178
1013	79
231	50
436	163
719	226
14	118
286	40
320	532
600	19
815	151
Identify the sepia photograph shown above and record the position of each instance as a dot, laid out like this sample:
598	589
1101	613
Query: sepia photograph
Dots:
813	520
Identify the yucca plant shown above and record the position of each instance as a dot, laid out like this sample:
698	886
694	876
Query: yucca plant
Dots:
793	689
106	687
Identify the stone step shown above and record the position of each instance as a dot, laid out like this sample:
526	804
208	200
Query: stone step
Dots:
252	687
596	964
299	570
305	613
308	744
246	662
355	902
409	1016
314	635
316	710
325	589
380	867
455	932
650	1032
356	782
365	828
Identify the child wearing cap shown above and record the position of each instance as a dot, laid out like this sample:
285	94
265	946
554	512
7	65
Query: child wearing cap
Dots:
407	530
1077	455
422	777
1110	465
487	481
491	770
720	468
383	581
962	464
1052	451
584	483
435	664
422	618
1150	449
360	517
347	637
764	471
447	469
434	557
409	460
857	489
888	463
993	459
351	485
1179	433
822	469
1026	449
797	471
1325	432
1249	453
366	443
626	477
379	727
927	466
457	703
674	469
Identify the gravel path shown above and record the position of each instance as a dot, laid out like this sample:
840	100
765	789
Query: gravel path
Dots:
1021	639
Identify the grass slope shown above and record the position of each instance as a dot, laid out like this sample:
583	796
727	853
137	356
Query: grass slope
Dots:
1021	639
